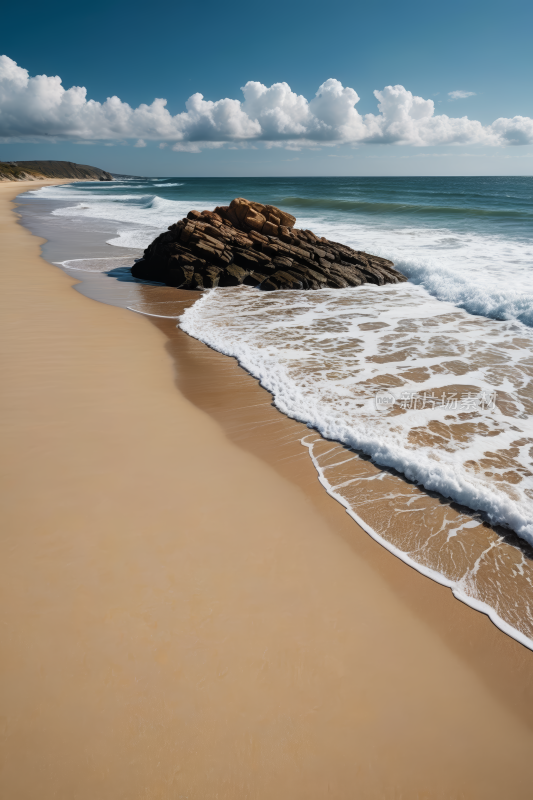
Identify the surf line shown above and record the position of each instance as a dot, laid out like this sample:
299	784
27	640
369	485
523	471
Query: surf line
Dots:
434	575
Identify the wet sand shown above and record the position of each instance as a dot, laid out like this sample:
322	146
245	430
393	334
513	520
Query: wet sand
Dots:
186	617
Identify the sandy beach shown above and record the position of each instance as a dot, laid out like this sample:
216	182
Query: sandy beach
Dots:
186	612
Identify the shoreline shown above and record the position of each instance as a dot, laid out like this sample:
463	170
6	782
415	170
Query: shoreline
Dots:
298	434
173	599
261	413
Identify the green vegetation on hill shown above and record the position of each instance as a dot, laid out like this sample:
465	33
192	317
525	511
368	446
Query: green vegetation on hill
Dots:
31	170
10	171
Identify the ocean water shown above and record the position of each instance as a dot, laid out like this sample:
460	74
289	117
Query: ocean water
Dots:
419	396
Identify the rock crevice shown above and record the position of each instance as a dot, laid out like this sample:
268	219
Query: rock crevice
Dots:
257	245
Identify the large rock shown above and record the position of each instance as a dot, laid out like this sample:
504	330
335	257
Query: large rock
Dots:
257	245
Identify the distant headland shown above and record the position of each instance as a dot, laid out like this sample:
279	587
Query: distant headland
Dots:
37	170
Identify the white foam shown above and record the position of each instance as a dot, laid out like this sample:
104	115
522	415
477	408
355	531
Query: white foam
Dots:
313	351
486	274
138	238
146	215
104	264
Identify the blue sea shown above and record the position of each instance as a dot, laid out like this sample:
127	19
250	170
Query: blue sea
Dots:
430	382
466	240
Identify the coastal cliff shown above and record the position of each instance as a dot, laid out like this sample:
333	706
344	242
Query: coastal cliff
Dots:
37	170
257	245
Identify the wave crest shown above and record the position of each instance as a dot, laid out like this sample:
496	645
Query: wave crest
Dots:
369	207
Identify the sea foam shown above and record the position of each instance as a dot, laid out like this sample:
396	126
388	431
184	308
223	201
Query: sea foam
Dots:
324	355
486	274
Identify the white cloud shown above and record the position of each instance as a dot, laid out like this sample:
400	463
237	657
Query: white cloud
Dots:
517	131
39	108
460	95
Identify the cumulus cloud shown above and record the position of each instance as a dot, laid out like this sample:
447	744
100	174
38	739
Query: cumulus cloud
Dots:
517	131
460	95
40	108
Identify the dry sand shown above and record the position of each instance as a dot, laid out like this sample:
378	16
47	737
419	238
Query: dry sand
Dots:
180	620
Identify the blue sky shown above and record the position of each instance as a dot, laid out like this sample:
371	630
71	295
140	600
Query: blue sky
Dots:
140	51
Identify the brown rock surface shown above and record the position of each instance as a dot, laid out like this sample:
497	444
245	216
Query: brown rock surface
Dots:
257	245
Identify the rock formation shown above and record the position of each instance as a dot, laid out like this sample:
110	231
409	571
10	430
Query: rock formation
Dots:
257	245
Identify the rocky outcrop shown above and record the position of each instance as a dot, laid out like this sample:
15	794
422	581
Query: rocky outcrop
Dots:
257	245
36	170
